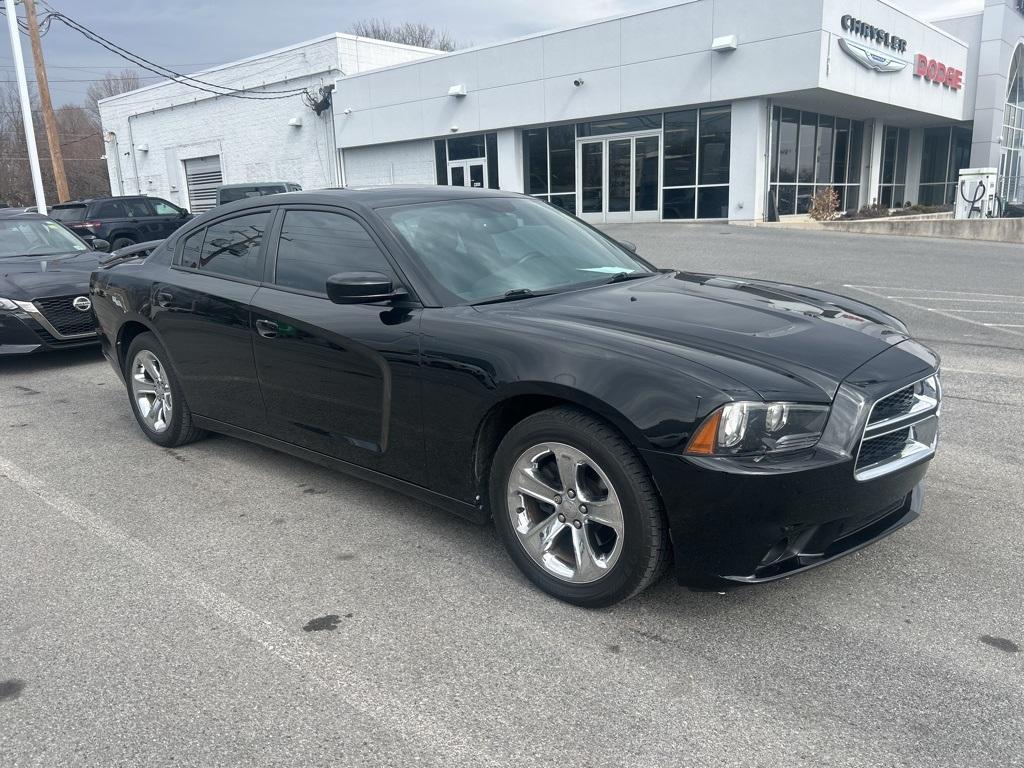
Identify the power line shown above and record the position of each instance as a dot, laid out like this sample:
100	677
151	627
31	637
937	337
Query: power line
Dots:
159	69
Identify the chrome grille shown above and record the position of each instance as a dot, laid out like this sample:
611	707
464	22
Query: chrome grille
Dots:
61	314
902	429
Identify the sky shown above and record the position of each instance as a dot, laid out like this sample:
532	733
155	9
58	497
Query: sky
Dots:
189	35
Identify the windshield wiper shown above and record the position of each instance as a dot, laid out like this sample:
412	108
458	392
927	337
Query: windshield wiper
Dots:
622	277
514	295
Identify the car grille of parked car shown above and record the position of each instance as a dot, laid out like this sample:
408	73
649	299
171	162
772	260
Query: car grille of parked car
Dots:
902	428
62	315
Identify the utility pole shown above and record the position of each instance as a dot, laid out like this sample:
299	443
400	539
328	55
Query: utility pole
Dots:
52	133
26	105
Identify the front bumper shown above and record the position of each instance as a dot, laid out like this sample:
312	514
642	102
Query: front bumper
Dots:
730	526
22	333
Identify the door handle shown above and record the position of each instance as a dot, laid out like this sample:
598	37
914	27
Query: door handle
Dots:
267	329
163	298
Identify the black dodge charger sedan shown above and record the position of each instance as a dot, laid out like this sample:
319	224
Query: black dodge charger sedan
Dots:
44	285
491	354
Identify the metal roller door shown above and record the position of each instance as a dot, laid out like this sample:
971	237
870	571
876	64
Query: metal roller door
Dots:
202	176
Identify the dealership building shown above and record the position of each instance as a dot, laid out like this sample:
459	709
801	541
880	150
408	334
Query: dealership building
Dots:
709	109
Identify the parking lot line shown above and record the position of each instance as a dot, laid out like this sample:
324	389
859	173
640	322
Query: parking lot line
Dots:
946	312
936	290
357	695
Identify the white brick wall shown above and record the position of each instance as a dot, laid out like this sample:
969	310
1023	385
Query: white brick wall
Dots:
253	138
410	162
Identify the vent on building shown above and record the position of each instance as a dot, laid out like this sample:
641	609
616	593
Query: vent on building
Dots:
203	176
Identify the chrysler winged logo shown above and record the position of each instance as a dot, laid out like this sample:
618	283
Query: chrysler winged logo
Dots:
82	303
871	57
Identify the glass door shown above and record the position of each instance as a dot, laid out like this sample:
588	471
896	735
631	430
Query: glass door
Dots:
619	179
466	173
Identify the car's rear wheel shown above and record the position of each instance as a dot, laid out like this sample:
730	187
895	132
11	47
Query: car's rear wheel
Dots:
577	509
121	242
157	401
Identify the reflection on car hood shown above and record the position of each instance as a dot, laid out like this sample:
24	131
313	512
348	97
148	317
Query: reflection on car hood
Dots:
743	328
30	277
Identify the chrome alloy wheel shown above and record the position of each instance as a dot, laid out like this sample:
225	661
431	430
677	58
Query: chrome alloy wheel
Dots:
151	390
566	512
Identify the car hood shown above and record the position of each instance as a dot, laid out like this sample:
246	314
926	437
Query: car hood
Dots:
779	340
31	277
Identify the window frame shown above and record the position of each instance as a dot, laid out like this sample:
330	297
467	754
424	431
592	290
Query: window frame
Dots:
270	262
261	258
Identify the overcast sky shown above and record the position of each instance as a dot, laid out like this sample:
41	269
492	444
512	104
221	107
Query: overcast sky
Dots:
189	35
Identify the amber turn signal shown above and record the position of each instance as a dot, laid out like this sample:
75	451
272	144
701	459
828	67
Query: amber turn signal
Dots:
705	438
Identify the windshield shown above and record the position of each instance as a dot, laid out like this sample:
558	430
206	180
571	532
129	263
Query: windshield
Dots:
489	248
37	237
69	213
231	194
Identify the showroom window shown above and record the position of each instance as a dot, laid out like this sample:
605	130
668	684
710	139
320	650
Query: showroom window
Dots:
810	152
892	192
549	157
696	163
1011	163
944	153
467	161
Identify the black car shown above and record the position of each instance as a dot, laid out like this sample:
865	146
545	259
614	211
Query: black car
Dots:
44	285
121	221
489	353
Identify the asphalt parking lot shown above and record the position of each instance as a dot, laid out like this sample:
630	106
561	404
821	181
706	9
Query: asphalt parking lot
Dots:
221	604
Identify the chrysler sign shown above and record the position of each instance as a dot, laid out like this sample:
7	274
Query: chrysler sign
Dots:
871	53
873	34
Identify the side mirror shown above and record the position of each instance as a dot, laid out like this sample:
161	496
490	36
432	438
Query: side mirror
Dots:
361	288
631	247
99	244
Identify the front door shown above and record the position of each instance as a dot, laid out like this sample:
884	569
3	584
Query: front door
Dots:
618	179
341	380
466	173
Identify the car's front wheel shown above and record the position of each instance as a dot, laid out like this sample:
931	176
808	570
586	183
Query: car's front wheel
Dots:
156	397
577	509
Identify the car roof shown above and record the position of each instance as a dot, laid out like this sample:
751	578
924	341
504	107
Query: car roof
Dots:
369	197
250	184
89	200
14	213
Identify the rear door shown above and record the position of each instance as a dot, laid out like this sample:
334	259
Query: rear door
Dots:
342	380
202	316
143	218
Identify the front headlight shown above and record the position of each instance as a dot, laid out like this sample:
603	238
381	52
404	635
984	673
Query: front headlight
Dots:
751	429
7	304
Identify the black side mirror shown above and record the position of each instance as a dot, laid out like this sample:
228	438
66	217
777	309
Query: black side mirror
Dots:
631	247
99	244
361	288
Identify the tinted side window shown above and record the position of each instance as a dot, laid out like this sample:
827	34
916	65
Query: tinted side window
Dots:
138	208
315	245
109	209
230	248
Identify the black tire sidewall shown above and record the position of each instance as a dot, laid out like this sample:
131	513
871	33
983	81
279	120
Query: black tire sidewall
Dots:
629	570
121	242
173	434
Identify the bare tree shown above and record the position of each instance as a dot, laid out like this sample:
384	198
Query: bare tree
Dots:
111	84
80	140
408	33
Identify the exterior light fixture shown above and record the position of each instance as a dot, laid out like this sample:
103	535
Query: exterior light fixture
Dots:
457	90
454	129
348	111
143	148
295	122
725	44
578	82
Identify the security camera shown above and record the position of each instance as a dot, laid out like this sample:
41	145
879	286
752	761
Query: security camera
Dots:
578	82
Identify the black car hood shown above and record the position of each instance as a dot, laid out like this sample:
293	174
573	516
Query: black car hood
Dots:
31	277
778	340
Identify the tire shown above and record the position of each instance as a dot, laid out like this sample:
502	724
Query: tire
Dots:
121	242
156	393
565	535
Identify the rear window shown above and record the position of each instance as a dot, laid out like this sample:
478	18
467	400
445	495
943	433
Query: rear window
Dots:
232	194
109	209
68	213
